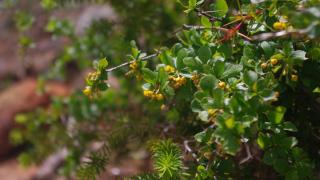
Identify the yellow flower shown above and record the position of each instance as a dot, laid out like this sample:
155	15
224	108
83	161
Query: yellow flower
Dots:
230	123
87	91
279	26
134	65
147	93
274	61
212	112
169	69
264	65
159	97
222	85
163	107
294	77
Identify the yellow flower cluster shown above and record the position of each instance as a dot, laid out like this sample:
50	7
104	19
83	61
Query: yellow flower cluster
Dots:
134	65
169	69
195	78
279	26
213	112
153	95
93	76
177	82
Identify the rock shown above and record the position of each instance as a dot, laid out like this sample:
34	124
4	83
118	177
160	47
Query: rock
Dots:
22	97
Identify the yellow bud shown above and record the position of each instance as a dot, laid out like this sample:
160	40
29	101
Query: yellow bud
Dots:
264	65
274	61
183	80
134	65
87	91
294	77
207	155
147	93
163	107
279	26
277	94
212	112
230	123
222	85
159	97
169	69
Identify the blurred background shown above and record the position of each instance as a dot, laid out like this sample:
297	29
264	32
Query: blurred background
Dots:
47	126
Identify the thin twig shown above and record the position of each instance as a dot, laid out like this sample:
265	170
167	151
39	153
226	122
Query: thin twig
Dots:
187	147
249	155
129	62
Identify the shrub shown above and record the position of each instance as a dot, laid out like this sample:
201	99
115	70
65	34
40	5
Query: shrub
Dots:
241	86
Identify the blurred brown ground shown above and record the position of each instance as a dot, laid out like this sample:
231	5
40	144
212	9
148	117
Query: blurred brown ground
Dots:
18	85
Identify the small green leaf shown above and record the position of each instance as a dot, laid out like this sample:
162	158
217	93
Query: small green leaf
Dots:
205	22
195	105
208	82
277	115
221	7
268	48
204	53
149	75
289	126
103	64
219	68
200	136
231	70
250	77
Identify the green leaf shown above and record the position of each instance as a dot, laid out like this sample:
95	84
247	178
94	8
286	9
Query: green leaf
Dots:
231	70
208	82
218	97
200	136
299	55
269	157
289	126
204	53
191	63
195	105
103	64
192	5
261	141
268	48
250	77
221	7
181	55
316	90
219	68
149	75
205	22
277	115
166	58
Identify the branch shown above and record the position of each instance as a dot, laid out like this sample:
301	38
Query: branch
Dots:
188	149
283	34
185	26
50	165
249	155
129	62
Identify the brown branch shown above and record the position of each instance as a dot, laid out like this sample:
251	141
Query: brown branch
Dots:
249	155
